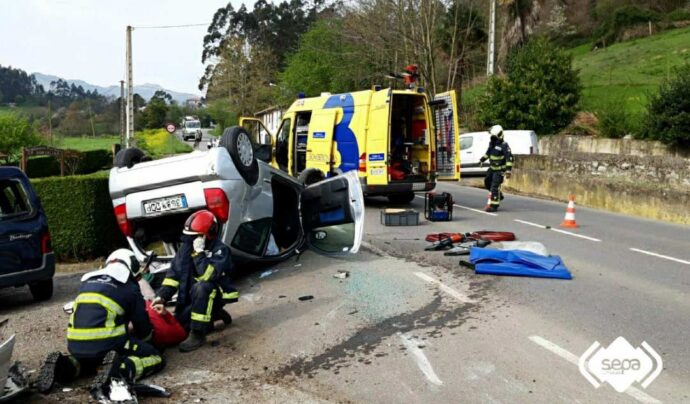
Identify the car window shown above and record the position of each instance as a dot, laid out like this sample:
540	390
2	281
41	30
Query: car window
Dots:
14	200
251	237
466	142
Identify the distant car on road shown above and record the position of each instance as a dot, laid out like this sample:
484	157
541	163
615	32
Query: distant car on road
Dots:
191	129
265	214
473	145
26	255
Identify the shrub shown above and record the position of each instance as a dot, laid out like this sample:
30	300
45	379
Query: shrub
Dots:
668	113
80	215
678	15
159	143
615	121
91	161
540	91
16	132
619	20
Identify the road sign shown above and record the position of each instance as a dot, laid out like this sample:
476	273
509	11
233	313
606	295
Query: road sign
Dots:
170	128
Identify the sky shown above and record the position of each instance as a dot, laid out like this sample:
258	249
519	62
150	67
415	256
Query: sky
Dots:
85	39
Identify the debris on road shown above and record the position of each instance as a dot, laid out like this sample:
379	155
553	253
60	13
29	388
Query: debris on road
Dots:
341	274
517	263
305	298
267	273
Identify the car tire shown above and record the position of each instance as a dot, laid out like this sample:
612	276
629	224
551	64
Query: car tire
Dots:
401	199
241	149
42	290
310	176
129	157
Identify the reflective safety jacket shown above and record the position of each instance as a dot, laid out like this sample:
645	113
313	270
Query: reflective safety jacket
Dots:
499	155
106	304
214	265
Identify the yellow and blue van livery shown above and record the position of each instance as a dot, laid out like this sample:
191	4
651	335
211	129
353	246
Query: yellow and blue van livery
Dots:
387	135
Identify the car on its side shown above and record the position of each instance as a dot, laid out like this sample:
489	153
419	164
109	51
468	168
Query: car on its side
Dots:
26	254
265	214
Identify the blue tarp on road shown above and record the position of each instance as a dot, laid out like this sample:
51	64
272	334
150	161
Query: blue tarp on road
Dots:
517	263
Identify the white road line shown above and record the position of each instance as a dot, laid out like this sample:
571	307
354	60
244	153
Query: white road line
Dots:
468	208
666	257
459	296
633	392
422	361
541	226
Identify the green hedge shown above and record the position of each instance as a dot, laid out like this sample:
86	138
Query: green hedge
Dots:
80	216
91	162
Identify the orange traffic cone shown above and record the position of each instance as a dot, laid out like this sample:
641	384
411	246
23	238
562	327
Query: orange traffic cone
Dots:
488	201
569	220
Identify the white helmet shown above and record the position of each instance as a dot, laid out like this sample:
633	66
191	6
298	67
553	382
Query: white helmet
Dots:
496	130
127	258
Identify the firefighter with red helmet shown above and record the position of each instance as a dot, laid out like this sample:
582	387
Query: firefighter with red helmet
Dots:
199	274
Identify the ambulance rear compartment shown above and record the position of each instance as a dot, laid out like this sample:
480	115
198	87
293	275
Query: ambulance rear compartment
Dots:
409	143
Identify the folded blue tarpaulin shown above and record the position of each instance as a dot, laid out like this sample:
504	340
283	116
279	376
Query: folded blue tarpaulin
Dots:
517	263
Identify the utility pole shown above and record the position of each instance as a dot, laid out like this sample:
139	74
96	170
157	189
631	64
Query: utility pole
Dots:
130	89
122	112
491	57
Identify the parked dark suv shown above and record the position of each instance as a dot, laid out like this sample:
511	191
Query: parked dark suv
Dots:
26	255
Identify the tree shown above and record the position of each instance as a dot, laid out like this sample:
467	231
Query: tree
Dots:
540	91
324	61
668	113
521	18
16	132
162	96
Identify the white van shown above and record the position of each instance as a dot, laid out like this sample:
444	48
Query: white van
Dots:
473	146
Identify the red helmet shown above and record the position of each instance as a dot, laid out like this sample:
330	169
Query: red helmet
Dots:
202	222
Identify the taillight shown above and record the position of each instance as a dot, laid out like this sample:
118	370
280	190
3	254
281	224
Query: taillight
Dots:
46	245
363	163
217	203
121	218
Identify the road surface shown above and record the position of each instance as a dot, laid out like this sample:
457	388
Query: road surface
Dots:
205	136
414	326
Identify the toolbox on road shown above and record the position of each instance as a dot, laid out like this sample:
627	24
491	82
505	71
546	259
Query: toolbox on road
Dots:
399	217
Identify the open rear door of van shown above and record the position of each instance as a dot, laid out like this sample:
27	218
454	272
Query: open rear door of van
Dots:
320	140
447	123
378	138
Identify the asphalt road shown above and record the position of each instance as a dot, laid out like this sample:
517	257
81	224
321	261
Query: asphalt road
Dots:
205	136
414	326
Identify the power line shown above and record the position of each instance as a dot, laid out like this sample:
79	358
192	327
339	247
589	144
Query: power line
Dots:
172	26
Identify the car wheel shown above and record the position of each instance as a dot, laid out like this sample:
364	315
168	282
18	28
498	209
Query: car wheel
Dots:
129	157
42	290
241	149
401	199
310	176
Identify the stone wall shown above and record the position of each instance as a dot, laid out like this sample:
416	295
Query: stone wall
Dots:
653	187
554	145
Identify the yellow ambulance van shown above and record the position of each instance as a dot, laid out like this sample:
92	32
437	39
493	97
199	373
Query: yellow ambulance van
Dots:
397	140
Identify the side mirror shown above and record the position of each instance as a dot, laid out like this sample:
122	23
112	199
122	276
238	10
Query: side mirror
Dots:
68	308
264	152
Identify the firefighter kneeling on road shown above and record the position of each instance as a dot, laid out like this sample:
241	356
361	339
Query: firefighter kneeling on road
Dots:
199	274
109	300
500	162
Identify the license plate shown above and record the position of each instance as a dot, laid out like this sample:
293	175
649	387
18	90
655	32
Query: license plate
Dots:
166	204
377	171
419	186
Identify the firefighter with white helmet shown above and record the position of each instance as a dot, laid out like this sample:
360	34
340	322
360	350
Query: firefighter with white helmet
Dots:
99	335
500	163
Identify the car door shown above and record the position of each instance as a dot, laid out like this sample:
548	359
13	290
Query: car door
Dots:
332	214
20	228
468	152
320	140
262	138
446	122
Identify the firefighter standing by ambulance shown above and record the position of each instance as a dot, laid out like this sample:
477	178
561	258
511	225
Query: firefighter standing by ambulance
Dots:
500	163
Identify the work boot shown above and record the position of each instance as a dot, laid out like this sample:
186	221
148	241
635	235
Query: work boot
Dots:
224	316
491	208
194	340
56	368
112	373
